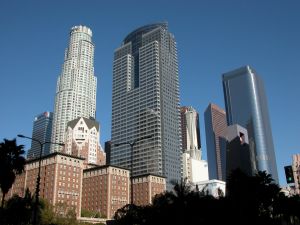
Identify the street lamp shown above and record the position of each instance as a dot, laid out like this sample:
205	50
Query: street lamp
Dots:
132	143
37	189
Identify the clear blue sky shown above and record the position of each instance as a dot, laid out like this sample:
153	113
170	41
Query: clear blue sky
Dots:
213	37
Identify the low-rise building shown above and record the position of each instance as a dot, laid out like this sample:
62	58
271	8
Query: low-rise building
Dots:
145	187
105	189
216	188
60	180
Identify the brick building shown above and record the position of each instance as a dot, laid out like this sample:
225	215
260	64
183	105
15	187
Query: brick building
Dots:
105	189
145	187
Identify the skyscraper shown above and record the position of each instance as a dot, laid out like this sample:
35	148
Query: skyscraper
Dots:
42	128
246	105
145	102
76	85
190	128
194	169
215	128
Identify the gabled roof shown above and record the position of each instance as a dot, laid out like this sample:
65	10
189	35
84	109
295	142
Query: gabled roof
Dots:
89	122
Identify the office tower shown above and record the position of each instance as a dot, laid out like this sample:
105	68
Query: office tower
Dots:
238	155
42	128
246	105
190	128
296	172
82	140
215	127
107	149
145	103
76	85
194	169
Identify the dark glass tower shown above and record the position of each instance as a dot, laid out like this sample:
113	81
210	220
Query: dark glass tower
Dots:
145	103
246	105
42	128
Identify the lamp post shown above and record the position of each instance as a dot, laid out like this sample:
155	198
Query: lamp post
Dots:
132	143
37	189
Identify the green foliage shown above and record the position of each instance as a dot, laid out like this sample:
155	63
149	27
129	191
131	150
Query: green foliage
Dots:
60	214
18	211
11	163
91	214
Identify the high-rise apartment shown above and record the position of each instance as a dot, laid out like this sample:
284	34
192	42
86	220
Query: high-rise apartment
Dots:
76	85
145	102
42	128
215	128
246	105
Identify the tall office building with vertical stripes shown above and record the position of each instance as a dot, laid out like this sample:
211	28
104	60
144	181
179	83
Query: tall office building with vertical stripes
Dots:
76	85
145	102
215	129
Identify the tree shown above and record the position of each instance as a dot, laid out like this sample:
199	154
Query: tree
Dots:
12	163
21	205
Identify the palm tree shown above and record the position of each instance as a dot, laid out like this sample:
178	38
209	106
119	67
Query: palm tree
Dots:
11	163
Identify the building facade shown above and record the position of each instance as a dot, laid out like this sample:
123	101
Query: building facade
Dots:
82	140
76	85
61	180
194	169
246	105
105	189
146	187
238	154
42	129
296	172
145	102
215	188
215	128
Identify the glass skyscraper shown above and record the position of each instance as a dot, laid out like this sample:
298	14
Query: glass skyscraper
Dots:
76	85
42	128
145	102
246	105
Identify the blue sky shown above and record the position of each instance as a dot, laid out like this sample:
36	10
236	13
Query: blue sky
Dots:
213	37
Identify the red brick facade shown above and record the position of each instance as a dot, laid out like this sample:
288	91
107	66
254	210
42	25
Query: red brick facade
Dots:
105	189
61	180
146	187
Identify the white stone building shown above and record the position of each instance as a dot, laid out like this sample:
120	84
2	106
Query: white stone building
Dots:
82	140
